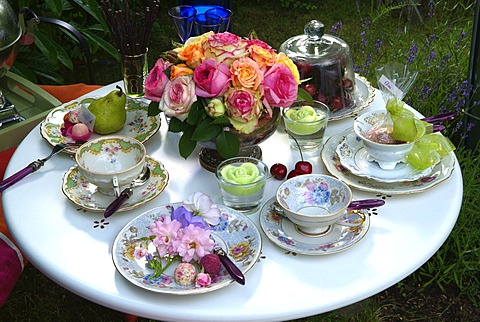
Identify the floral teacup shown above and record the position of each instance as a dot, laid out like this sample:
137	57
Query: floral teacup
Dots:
313	202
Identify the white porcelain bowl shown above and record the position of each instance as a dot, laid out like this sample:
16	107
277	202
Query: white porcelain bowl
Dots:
386	155
313	201
108	157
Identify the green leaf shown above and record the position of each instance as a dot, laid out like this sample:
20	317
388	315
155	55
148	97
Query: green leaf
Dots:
303	95
227	145
55	6
206	131
45	45
105	45
196	113
222	120
177	126
186	145
153	109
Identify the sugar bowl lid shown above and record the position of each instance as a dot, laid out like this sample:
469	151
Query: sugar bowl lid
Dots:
316	46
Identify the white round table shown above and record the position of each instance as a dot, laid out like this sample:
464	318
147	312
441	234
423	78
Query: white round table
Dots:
61	240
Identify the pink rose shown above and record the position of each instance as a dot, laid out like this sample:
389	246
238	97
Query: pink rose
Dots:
179	97
156	81
225	48
280	86
244	108
203	279
211	79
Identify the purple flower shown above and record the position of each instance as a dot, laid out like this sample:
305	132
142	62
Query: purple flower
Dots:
336	28
184	217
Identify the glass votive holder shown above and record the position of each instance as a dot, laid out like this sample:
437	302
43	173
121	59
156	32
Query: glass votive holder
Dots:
306	124
242	183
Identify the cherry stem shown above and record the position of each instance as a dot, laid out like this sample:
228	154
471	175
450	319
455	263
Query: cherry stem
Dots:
298	145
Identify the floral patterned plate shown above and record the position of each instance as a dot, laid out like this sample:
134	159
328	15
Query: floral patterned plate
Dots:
84	194
440	172
353	156
282	232
365	94
138	124
235	233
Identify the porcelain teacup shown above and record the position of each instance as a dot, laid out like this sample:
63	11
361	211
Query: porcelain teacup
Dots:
314	202
111	162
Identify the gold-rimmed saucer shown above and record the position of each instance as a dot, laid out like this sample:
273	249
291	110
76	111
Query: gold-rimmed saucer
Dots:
283	233
84	194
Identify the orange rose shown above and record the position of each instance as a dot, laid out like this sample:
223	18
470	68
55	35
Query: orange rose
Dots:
263	56
246	73
180	70
284	60
192	54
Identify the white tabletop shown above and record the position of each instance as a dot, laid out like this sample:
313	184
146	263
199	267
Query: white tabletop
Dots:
61	241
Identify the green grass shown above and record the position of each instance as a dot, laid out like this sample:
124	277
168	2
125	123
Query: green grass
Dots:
447	287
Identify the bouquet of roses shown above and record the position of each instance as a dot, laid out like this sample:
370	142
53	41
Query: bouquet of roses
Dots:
216	82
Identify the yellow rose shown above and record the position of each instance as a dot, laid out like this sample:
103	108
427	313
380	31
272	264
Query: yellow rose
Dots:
284	60
180	70
246	73
262	56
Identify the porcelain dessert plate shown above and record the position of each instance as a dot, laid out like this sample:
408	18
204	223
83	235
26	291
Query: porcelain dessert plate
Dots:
84	194
282	232
138	124
236	234
365	94
354	157
439	173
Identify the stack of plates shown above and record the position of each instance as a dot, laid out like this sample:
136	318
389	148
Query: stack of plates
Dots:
345	158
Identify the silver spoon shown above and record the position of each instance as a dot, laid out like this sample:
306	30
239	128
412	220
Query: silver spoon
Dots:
126	193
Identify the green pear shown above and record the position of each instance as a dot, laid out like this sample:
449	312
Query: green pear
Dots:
109	111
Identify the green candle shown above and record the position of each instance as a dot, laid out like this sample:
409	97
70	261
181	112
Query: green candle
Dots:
304	120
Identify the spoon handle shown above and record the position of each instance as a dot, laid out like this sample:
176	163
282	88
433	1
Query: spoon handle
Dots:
231	268
365	204
117	203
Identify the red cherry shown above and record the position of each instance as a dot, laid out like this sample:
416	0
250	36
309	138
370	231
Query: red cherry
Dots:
304	167
278	171
294	173
322	98
310	88
304	68
336	103
347	83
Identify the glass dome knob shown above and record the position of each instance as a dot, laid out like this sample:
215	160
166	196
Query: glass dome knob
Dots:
314	30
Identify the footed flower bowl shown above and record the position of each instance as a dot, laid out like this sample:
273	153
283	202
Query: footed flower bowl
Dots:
387	155
313	202
111	162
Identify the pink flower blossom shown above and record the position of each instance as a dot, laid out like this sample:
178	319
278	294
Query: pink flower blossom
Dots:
202	205
140	252
203	279
178	97
156	81
280	86
244	108
166	234
211	79
194	244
